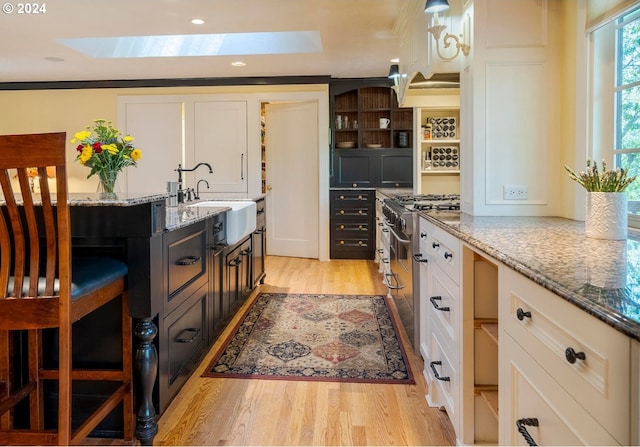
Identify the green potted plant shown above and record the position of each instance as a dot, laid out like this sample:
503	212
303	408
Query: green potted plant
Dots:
606	206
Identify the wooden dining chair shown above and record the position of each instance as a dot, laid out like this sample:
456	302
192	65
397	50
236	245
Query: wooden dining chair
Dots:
42	287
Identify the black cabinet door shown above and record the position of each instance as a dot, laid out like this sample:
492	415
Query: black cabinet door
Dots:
354	168
396	169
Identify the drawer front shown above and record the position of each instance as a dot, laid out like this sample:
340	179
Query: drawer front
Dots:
548	327
358	212
443	373
444	302
527	391
184	337
444	250
185	257
352	199
351	229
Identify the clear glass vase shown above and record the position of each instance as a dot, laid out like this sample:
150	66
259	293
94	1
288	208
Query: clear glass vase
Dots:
107	183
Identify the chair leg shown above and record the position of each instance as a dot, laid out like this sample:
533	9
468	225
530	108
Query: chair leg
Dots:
127	367
64	383
5	378
36	396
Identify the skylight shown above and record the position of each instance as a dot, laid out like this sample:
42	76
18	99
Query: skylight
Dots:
284	42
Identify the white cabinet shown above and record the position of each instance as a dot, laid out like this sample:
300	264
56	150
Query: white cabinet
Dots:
187	129
437	144
534	395
510	87
562	366
440	309
220	139
156	125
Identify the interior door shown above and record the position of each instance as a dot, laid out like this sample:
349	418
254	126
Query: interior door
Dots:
291	141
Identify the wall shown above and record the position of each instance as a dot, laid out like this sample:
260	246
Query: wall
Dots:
38	111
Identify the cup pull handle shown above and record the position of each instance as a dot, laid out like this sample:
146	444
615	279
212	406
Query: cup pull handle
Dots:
435	371
188	335
188	260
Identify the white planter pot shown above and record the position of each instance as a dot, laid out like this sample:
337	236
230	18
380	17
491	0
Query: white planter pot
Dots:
606	216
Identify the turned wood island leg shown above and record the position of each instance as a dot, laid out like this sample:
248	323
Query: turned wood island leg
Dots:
147	368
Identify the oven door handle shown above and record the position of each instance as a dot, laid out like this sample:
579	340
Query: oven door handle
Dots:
402	241
398	286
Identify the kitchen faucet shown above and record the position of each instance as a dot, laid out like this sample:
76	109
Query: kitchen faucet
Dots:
180	170
197	196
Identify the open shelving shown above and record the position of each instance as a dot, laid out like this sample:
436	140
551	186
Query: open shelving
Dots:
357	114
480	348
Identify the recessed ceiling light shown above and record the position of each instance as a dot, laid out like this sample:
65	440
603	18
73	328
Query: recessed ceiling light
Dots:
395	60
238	64
54	59
197	21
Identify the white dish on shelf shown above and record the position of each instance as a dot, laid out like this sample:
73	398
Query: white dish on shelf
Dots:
374	146
346	144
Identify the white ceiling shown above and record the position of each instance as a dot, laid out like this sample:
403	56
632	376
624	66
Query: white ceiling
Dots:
358	38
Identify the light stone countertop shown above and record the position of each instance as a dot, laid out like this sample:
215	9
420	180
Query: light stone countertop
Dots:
602	277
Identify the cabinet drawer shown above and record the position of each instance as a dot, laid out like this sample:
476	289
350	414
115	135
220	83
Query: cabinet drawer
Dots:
442	372
183	336
351	229
443	249
548	327
348	199
444	302
185	254
527	391
358	212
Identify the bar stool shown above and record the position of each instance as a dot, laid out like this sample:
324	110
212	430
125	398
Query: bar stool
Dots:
41	287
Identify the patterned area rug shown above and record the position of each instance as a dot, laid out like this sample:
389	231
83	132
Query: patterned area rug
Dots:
349	338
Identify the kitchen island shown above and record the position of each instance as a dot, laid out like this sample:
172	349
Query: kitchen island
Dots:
174	283
534	327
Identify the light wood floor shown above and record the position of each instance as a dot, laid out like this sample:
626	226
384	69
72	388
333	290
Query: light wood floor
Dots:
211	411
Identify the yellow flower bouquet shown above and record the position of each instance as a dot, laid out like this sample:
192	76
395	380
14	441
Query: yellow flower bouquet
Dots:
106	151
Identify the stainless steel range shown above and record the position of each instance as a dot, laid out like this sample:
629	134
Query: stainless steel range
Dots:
401	218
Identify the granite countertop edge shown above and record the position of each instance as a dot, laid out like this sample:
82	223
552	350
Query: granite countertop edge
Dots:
606	314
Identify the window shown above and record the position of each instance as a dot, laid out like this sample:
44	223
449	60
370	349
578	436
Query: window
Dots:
627	104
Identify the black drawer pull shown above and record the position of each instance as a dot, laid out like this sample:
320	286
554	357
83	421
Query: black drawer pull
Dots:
520	423
572	355
188	335
521	314
418	258
423	235
258	212
385	260
435	371
188	260
448	255
434	300
385	230
435	245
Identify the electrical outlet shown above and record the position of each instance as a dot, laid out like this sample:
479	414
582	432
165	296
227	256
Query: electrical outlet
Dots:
515	192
